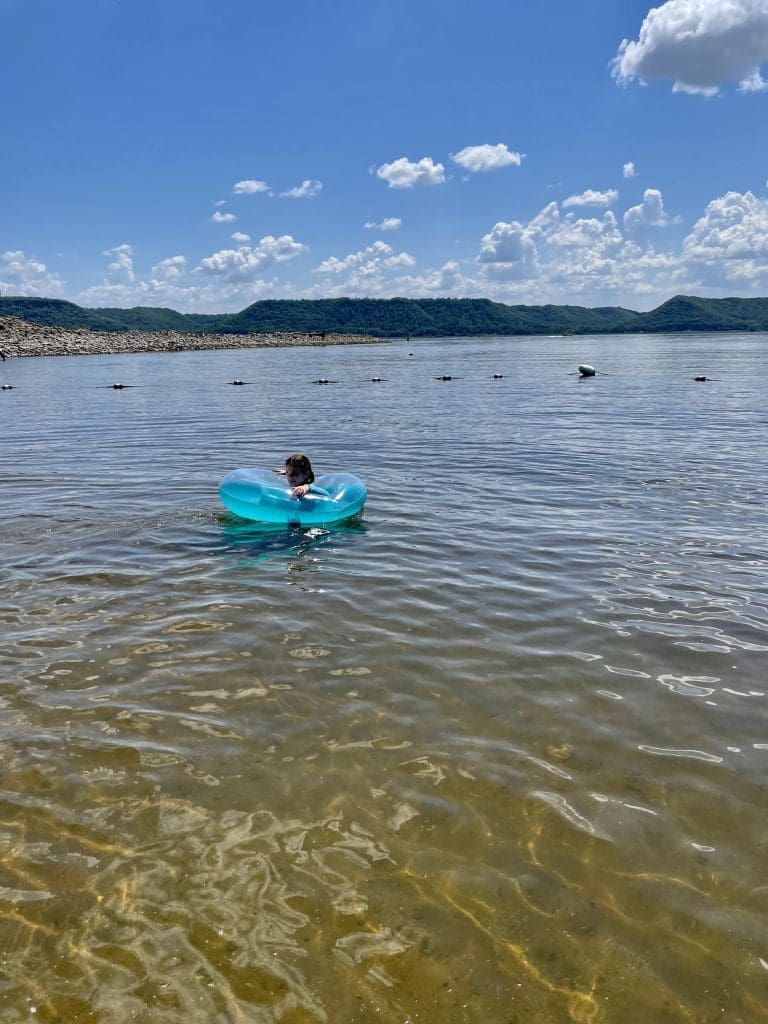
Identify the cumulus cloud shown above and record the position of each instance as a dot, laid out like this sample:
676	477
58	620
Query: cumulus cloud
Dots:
648	214
405	173
24	275
306	190
730	241
510	248
212	295
249	187
628	170
487	158
223	218
699	44
170	269
372	271
240	236
388	224
567	258
592	198
247	261
753	83
122	263
378	255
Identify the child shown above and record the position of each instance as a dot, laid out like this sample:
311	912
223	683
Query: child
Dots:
298	473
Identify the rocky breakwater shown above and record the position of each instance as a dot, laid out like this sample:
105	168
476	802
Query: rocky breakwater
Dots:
19	338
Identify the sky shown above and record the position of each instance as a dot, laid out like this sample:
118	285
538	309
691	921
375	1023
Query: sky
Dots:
205	154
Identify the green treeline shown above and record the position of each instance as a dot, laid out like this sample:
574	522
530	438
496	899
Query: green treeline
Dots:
392	318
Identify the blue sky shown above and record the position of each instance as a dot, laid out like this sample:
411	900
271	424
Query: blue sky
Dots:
203	154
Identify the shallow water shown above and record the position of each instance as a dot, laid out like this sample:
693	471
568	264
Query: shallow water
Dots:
495	752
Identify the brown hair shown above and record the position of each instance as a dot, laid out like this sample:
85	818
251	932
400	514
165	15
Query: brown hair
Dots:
302	463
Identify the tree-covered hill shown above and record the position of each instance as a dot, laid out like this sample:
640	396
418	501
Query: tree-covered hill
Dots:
391	318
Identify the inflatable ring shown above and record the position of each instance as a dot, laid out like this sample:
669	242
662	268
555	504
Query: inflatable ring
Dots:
261	495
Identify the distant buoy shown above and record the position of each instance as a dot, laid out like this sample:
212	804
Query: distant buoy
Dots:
7	387
586	370
118	387
498	376
445	376
701	378
376	380
324	380
237	382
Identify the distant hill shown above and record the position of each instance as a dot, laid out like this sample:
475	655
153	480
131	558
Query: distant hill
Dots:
391	318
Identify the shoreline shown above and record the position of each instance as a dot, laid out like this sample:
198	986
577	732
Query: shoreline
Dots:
20	339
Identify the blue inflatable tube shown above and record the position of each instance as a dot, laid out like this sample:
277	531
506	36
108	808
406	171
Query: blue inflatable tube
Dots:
263	496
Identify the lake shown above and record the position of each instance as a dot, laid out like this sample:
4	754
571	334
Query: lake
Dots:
495	752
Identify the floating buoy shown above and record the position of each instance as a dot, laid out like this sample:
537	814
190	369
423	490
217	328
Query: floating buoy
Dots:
376	380
586	370
498	376
323	380
7	387
446	376
701	378
118	387
237	382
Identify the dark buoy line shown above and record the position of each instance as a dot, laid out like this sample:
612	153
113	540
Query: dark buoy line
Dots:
585	370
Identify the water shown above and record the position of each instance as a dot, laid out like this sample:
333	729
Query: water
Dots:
496	752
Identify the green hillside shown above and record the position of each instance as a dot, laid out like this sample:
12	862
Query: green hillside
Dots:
391	318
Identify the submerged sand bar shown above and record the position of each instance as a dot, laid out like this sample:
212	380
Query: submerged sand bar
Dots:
19	338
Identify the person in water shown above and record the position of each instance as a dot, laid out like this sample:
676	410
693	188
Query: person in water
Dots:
298	473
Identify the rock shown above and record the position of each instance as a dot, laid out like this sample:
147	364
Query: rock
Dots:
19	338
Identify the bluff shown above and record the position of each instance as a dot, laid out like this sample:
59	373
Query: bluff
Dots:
400	317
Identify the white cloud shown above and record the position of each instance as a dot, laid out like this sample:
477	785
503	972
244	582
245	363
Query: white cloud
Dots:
249	187
560	259
24	275
448	280
223	218
592	198
753	83
170	269
240	236
214	296
306	190
388	224
730	242
122	264
487	158
510	249
244	263
368	272
405	173
220	202
649	214
628	170
699	44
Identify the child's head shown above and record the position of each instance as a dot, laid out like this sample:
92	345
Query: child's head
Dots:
298	470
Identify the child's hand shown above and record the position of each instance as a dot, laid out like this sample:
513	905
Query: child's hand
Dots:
301	490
